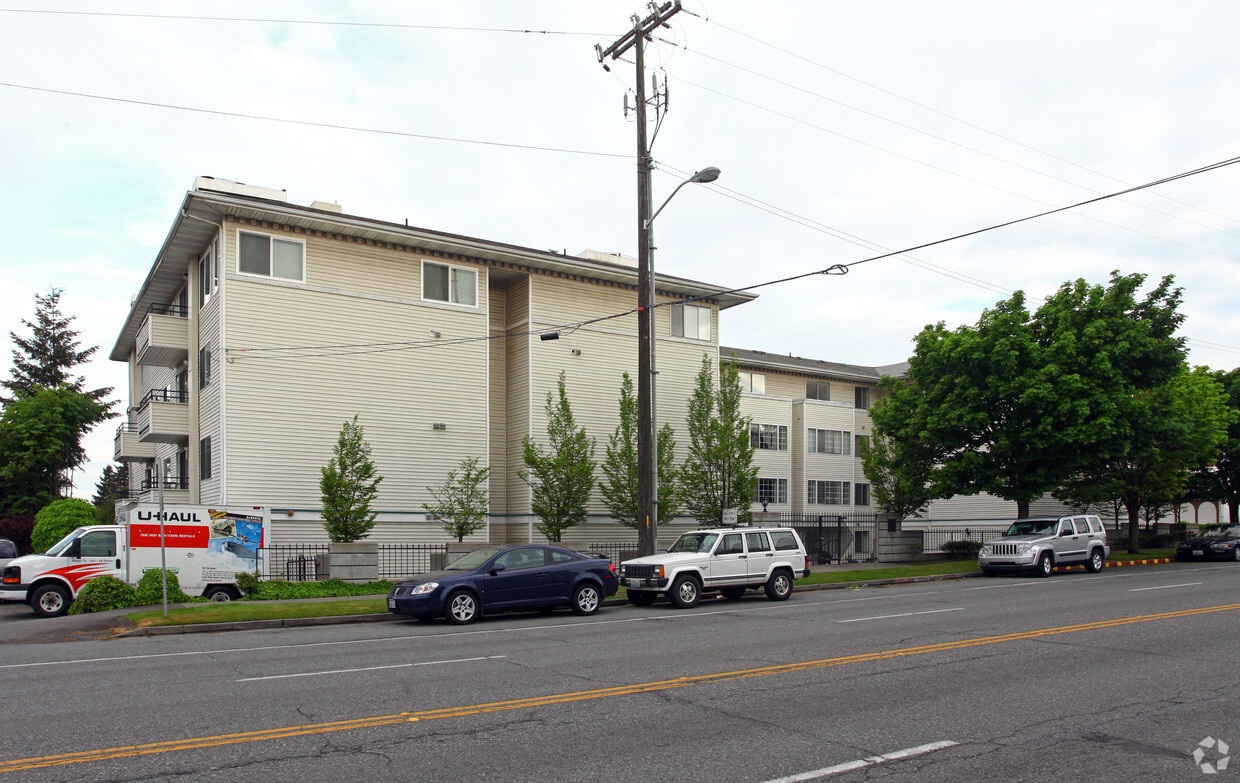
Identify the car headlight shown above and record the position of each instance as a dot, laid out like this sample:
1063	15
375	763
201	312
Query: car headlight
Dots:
423	588
621	570
986	551
1023	549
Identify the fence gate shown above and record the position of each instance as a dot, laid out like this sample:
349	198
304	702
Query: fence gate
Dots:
834	538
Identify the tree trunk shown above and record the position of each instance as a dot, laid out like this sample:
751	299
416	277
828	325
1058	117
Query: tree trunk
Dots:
1022	509
1134	527
1233	510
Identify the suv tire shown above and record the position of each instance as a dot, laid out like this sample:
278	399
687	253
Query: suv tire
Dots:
1045	564
1096	562
779	586
685	592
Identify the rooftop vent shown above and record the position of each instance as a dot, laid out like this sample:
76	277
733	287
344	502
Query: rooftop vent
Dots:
328	206
239	189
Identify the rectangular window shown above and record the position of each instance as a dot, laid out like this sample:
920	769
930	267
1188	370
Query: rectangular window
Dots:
827	441
204	367
455	284
691	321
861	494
768	436
861	397
817	390
204	458
827	493
208	275
862	442
753	382
268	256
771	490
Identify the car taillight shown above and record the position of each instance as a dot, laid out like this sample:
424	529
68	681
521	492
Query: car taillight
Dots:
807	562
611	567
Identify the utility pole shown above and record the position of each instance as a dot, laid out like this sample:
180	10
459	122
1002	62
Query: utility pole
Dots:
647	469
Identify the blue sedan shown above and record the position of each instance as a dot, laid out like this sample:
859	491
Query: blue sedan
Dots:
502	579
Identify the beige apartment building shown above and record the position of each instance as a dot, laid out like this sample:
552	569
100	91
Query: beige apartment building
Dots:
263	326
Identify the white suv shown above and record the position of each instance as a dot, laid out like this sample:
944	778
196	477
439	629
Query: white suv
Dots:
730	560
1040	544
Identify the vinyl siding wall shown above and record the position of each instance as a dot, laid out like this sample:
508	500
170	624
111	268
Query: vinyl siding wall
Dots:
771	463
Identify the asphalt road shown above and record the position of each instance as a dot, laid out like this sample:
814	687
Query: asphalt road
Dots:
1110	677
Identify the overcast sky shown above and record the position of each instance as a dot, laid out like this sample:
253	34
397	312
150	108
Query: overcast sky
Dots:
839	127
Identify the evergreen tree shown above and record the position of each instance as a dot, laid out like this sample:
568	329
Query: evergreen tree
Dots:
560	476
47	358
719	472
620	475
113	484
349	483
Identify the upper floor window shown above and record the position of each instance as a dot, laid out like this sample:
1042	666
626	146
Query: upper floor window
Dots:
768	436
754	382
204	458
691	321
208	275
826	441
204	367
861	494
269	256
771	490
861	397
455	284
862	441
817	390
827	493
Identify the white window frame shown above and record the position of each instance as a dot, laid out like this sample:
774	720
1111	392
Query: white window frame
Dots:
209	273
818	441
453	287
752	382
702	317
271	239
780	486
768	437
204	366
828	493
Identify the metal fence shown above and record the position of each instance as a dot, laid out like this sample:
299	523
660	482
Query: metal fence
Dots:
309	562
618	551
933	540
837	537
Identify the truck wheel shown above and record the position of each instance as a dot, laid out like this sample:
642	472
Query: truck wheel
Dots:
731	593
1045	564
641	597
1096	562
220	594
779	586
685	592
50	600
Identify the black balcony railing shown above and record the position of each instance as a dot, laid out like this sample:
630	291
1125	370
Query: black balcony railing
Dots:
170	484
176	311
128	426
164	395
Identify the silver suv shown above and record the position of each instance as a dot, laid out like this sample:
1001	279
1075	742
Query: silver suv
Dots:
1040	544
730	560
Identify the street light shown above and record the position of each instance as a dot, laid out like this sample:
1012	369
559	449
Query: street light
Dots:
647	433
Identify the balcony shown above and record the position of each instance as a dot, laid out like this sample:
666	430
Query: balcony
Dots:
130	448
163	417
163	340
176	490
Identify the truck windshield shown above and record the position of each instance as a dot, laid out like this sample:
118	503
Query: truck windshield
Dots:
64	542
694	542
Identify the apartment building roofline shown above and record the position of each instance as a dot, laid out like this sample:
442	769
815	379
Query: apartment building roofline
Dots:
205	208
817	367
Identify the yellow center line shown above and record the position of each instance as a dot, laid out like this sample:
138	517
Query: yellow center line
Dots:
130	751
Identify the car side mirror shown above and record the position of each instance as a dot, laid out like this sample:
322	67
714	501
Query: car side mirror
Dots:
75	550
496	568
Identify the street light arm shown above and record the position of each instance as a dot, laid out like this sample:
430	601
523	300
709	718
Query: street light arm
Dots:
708	174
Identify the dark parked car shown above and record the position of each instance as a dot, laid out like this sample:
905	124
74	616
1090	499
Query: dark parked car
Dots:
1215	541
501	579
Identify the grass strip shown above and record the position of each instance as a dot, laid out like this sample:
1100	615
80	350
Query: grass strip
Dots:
241	611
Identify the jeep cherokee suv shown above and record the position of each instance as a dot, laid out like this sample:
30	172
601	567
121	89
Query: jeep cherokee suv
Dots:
730	560
1040	544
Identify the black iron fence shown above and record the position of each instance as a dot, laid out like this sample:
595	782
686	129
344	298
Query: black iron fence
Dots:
932	541
835	538
310	562
398	561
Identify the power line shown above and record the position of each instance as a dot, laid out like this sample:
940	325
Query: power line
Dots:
314	124
318	22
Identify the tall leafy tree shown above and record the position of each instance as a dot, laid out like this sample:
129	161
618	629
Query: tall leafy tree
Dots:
462	500
1219	481
560	475
620	466
899	473
349	483
113	484
48	356
1018	403
718	472
40	437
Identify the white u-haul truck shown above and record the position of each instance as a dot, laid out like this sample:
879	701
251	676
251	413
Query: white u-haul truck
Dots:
205	546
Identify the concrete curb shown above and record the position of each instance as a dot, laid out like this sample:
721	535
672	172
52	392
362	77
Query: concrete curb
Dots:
300	622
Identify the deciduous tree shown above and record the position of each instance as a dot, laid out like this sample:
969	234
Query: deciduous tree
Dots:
461	501
561	475
620	475
40	437
349	483
718	472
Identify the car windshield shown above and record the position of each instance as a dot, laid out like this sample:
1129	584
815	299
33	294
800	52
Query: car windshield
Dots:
64	542
1032	527
471	560
694	542
1224	531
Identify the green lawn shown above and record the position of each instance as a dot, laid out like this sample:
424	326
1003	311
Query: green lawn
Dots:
1121	553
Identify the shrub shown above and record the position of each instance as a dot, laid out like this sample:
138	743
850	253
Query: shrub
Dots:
275	589
57	519
101	594
248	582
961	550
151	589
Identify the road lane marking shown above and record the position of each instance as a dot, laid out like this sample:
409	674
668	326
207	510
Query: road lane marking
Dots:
903	614
371	668
1164	587
131	751
869	761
